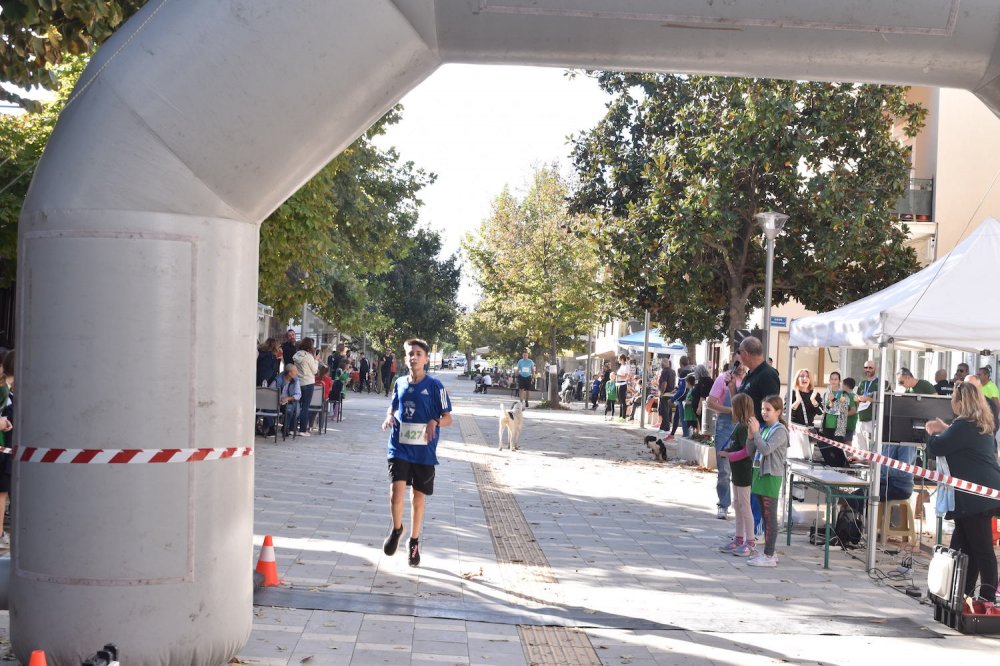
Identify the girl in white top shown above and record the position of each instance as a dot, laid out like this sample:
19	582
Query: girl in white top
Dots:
623	377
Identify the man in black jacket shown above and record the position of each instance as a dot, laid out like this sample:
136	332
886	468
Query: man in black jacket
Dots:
363	368
288	347
666	385
761	380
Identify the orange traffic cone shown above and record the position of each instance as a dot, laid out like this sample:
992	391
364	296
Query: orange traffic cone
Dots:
38	658
266	565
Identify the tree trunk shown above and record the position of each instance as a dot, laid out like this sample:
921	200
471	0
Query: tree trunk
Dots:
692	353
554	375
737	314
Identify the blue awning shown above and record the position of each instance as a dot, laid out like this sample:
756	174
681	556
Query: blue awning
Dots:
656	342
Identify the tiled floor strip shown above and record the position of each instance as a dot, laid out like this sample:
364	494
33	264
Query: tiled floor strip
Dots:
524	568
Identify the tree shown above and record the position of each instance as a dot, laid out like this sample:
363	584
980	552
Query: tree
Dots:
39	34
416	297
331	238
22	140
539	282
672	177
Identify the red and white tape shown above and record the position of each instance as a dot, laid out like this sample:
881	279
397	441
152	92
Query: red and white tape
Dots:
125	456
868	456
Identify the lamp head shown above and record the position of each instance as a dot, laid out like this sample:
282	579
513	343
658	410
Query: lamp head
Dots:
771	223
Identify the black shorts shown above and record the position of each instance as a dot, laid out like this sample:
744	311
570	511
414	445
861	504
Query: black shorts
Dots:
524	383
421	477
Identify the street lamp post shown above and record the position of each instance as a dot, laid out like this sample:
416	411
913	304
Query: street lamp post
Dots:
771	223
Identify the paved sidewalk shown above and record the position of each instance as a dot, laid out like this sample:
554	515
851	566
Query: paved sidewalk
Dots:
578	549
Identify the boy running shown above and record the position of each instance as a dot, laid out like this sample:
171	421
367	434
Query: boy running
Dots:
420	406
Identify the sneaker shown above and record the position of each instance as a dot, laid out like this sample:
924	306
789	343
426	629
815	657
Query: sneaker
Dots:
723	513
730	547
4	541
414	553
305	434
392	541
744	550
763	560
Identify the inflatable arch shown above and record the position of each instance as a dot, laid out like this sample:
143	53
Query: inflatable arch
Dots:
138	246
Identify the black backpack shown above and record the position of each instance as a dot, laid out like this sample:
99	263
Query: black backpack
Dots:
848	527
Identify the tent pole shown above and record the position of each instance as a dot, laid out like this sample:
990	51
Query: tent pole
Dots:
644	386
876	481
788	419
791	384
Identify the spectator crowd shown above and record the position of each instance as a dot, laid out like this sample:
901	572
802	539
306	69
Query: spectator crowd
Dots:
295	369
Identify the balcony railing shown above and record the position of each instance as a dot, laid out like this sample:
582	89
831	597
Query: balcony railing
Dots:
917	203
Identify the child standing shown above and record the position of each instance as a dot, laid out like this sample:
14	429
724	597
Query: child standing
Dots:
742	476
690	418
768	444
611	393
595	390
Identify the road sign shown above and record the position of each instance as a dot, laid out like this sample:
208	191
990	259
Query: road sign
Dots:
779	321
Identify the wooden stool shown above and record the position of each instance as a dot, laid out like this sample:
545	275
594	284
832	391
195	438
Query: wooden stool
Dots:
907	526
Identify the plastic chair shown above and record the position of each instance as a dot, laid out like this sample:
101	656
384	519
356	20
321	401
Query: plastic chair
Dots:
336	406
318	407
267	406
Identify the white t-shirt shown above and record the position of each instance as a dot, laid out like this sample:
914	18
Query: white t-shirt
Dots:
624	373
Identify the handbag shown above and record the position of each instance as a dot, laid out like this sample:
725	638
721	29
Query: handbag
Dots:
944	496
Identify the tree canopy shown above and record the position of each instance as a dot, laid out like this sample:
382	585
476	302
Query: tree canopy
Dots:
326	244
417	296
672	176
39	34
539	282
22	141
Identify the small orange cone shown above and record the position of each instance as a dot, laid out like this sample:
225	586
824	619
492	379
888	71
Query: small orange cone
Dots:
38	658
266	565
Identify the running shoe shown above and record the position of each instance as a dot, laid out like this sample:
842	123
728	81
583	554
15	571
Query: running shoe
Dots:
414	553
763	560
391	542
730	547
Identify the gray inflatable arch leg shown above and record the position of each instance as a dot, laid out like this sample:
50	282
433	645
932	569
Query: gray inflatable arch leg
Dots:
136	292
138	254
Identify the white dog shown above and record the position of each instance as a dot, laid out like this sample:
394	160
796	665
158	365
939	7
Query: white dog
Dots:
568	389
510	422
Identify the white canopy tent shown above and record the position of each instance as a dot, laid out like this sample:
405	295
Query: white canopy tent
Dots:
947	304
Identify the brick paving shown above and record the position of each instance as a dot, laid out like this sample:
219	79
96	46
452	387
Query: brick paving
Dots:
628	559
624	565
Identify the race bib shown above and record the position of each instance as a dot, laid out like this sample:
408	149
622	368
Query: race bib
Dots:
412	433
